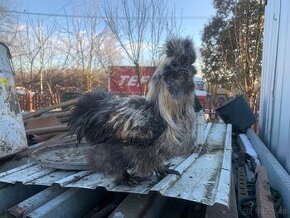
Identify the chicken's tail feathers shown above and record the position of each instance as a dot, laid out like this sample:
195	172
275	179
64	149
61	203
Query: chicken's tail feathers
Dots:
181	50
86	113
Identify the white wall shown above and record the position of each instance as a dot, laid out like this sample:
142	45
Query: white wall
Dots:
274	122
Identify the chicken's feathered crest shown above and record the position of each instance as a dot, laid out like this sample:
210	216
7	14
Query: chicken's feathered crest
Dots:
181	51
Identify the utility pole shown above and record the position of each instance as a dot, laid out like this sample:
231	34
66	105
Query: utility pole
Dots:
41	53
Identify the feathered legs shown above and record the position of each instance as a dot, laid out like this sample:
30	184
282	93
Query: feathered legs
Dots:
165	170
129	179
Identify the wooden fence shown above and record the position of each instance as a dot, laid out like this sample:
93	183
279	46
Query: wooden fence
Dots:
37	101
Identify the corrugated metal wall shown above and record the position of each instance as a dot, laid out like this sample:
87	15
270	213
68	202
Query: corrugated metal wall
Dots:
274	122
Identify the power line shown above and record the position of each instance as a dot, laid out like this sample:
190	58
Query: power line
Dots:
66	4
99	17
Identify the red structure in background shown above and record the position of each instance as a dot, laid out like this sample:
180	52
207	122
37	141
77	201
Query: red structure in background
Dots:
200	91
125	81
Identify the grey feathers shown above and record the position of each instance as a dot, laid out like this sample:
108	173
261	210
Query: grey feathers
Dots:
101	118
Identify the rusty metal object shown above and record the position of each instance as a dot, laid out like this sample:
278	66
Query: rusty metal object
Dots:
66	157
48	125
13	194
41	122
62	116
73	203
30	204
12	134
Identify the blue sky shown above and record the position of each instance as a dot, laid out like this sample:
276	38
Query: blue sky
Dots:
199	12
190	27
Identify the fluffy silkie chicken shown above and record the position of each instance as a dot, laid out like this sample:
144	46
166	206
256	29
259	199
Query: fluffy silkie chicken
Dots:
133	136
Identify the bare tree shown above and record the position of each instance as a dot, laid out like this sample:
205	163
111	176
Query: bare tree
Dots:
139	26
8	23
87	45
162	24
130	29
35	46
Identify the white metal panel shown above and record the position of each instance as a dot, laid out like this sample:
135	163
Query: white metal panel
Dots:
12	133
274	119
285	113
281	115
271	29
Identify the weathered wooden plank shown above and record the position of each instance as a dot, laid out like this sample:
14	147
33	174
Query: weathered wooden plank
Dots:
39	112
45	130
265	208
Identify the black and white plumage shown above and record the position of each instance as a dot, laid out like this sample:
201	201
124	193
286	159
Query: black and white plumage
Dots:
135	135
